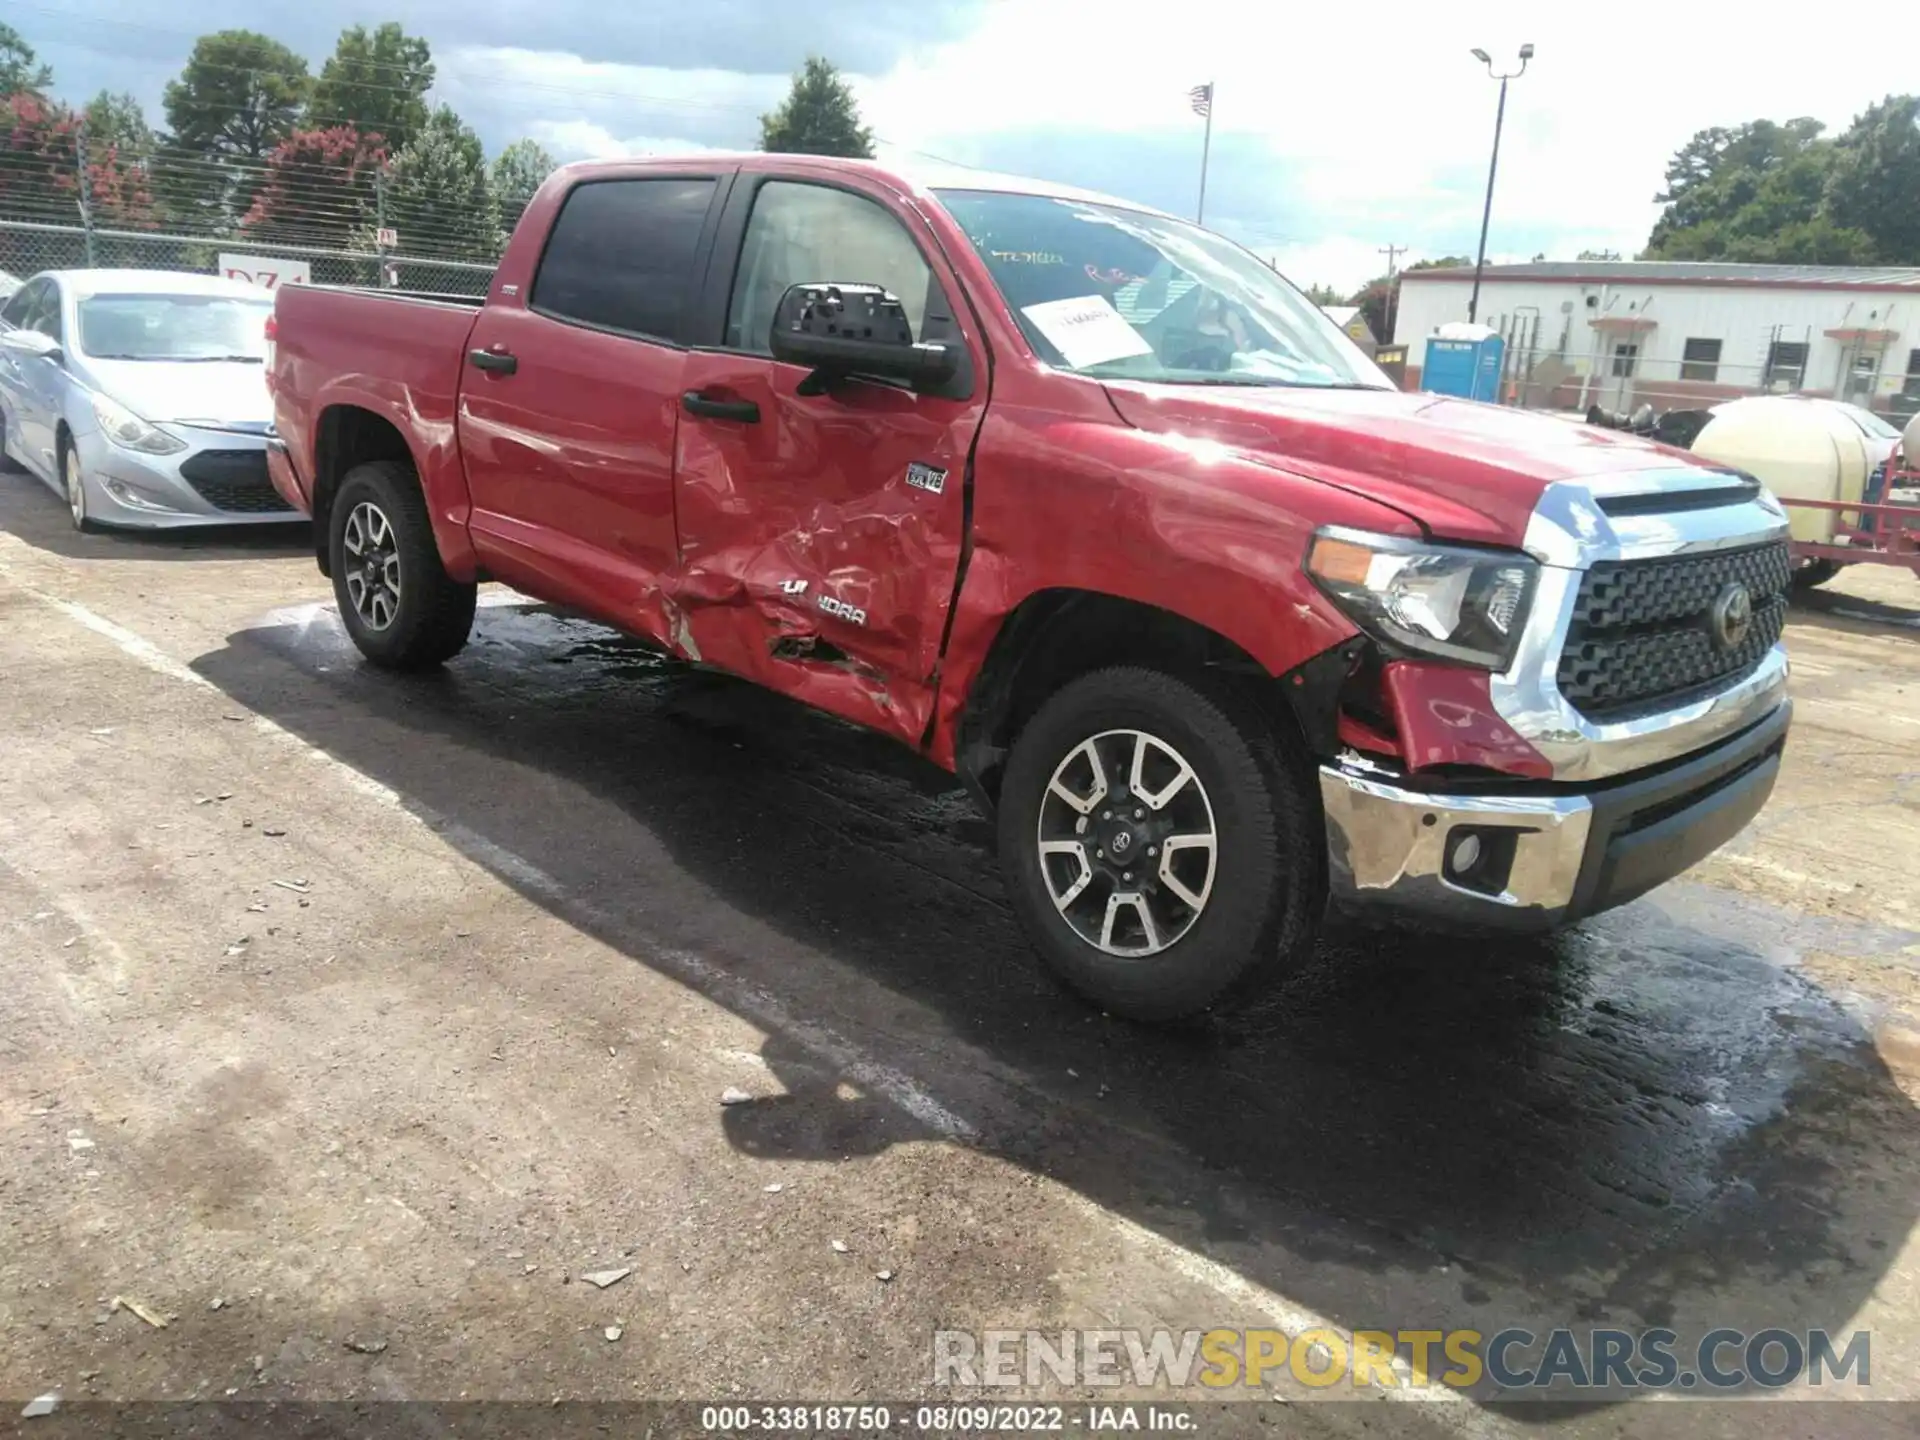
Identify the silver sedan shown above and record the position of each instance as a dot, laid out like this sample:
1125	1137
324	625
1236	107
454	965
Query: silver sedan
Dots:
140	396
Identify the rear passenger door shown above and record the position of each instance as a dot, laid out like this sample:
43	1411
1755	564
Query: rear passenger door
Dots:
570	400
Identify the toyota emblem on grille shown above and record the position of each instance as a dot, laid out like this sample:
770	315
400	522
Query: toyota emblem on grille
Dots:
1732	616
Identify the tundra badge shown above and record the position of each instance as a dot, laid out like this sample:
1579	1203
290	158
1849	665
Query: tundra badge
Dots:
840	610
926	477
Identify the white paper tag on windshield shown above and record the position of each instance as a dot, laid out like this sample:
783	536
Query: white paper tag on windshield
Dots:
1087	330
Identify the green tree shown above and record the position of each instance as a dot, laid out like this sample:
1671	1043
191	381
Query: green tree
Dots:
117	123
1324	295
237	98
818	117
1874	188
376	82
439	196
1756	192
517	174
21	72
1602	255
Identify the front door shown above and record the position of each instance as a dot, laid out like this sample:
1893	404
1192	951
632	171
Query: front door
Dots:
571	399
820	534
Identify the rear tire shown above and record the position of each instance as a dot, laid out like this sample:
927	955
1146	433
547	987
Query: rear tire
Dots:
1150	954
396	599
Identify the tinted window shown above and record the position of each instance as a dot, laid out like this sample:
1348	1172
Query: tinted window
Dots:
804	233
621	255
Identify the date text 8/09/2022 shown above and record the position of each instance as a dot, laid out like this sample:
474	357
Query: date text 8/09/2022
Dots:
945	1419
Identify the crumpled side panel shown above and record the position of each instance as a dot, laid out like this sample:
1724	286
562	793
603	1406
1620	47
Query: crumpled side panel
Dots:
807	561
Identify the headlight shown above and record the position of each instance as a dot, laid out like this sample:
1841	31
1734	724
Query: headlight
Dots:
127	429
1460	604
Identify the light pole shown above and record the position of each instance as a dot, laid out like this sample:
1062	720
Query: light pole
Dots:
1493	166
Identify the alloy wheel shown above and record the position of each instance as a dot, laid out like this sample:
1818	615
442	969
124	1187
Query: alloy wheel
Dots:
1127	840
76	490
373	565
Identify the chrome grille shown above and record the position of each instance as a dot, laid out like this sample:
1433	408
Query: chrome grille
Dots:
1641	637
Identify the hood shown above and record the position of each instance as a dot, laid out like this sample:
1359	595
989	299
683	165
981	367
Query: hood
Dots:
216	392
1465	471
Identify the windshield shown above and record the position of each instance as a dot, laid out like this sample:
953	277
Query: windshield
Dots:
1121	294
174	327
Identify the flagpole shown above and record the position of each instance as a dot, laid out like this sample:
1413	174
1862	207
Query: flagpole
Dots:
1206	148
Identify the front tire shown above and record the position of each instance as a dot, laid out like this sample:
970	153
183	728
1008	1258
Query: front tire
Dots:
399	605
76	489
1815	573
1161	844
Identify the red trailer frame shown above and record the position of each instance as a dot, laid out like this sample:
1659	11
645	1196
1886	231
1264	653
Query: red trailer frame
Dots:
1893	540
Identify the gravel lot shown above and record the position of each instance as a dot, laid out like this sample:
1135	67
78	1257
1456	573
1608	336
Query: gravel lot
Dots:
351	1020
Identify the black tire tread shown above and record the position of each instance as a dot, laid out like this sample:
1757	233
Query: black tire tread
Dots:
436	612
1265	931
1815	573
8	465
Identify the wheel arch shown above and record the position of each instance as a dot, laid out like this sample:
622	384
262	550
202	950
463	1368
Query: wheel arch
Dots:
1056	635
347	435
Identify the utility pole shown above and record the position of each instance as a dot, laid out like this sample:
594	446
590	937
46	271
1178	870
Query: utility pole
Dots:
1393	253
80	188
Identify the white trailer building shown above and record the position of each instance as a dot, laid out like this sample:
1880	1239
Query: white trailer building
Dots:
1619	333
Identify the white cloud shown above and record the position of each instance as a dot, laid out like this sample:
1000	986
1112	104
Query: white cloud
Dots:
1348	135
584	140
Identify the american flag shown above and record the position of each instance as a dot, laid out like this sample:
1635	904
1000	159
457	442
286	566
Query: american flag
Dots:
1202	98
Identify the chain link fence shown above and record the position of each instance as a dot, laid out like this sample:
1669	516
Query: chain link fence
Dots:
1552	380
28	247
331	214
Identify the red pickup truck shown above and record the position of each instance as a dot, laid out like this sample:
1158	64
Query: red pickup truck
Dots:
1088	505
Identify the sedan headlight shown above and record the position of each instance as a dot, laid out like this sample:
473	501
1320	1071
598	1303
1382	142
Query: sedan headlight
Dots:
1459	604
127	429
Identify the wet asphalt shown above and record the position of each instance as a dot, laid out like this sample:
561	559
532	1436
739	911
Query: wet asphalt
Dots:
1627	1101
1659	1118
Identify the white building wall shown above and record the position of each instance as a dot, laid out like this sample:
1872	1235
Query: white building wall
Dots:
1743	319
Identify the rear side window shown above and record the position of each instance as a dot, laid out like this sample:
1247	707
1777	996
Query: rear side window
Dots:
621	255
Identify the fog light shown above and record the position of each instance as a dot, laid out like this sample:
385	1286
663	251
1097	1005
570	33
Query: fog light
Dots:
1466	854
137	500
1480	857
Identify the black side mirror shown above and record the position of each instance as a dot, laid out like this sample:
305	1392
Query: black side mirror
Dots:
841	330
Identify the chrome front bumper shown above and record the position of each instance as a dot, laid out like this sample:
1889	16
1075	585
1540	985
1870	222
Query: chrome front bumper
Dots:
1546	854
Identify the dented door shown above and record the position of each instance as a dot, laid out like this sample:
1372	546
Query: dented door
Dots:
820	535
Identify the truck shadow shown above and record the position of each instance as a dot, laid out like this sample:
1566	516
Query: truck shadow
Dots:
1658	1119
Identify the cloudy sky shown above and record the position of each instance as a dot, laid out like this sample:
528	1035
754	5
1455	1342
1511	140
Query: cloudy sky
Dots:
1338	129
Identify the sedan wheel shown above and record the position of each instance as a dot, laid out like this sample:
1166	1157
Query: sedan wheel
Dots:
373	565
76	490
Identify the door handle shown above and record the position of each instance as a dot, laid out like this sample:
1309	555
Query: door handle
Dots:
745	411
493	361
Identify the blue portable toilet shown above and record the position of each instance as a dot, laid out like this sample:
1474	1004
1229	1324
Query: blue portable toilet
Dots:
1464	360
